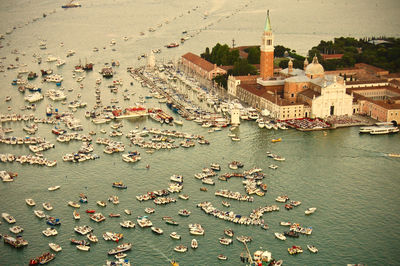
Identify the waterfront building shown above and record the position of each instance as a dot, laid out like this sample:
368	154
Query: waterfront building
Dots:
291	93
195	64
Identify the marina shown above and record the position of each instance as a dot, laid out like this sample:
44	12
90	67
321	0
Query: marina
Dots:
127	145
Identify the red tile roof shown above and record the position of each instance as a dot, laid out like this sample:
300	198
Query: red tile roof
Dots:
197	60
268	93
331	56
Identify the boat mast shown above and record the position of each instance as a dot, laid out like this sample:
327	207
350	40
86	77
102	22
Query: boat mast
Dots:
248	253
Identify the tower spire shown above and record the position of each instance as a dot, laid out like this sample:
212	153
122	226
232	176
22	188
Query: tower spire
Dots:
267	23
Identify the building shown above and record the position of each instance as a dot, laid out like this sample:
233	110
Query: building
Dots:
204	69
291	93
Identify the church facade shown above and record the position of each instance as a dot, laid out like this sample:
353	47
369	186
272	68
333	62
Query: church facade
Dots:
291	93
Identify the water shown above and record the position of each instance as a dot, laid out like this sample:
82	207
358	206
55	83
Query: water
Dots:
345	175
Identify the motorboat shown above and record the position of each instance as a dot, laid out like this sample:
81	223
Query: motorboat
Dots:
97	217
157	230
47	206
120	248
184	196
225	241
144	222
120	255
83	230
119	185
92	237
128	212
16	229
50	231
55	247
280	236
76	215
184	212
295	250
40	214
16	242
83	247
30	202
52	221
194	244
222	257
171	222
79	242
312	248
285	223
90	211
43	259
226	204
114	215
74	204
149	210
175	235
229	232
276	140
181	248
9	219
53	188
310	211
273	166
127	224
101	203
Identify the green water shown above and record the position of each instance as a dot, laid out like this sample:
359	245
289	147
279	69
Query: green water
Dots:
345	175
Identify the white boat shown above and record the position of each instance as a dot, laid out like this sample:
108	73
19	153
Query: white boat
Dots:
384	130
30	202
55	247
127	224
92	238
175	235
157	230
53	188
101	203
74	204
194	244
16	229
9	219
128	212
50	232
312	248
180	248
47	206
120	255
310	211
40	214
273	166
76	215
280	236
83	247
222	257
120	248
261	124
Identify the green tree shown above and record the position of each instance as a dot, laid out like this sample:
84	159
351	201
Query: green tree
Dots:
254	55
242	67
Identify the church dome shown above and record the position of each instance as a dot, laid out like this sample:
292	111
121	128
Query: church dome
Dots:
315	68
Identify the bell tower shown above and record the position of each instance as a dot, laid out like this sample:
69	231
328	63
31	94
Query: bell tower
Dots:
267	51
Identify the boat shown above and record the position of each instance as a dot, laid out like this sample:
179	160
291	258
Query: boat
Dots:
120	248
90	211
40	214
79	242
171	222
394	155
47	206
229	232
226	204
280	236
184	212
30	202
173	45
222	257
273	166
194	244
101	203
310	211
175	235
83	230
92	237
384	130
128	212
71	5
74	204
83	247
157	230
203	189
295	250
144	222
52	221
16	242
312	248
276	140
120	255
119	185
149	210
225	241
180	248
184	196
55	247
16	229
114	215
53	188
50	231
127	224
9	219
43	259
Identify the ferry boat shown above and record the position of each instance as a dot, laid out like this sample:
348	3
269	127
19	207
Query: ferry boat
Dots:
384	130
